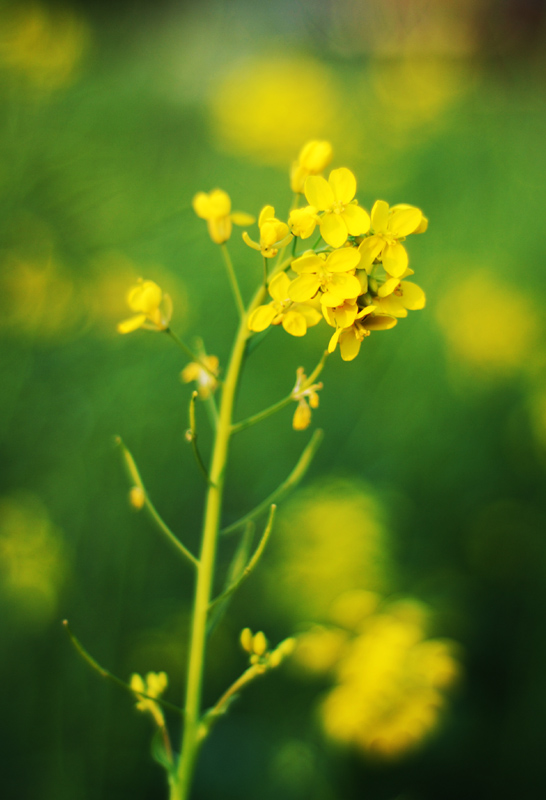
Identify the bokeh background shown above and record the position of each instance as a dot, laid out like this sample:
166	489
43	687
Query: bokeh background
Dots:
428	488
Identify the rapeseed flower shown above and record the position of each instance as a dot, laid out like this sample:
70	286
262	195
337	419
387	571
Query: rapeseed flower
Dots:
307	398
154	685
153	307
351	338
396	297
314	157
294	317
274	234
332	275
390	228
335	197
303	221
206	381
216	209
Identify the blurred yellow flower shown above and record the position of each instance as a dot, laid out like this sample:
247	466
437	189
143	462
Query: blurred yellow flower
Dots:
488	324
390	227
294	317
342	216
314	157
42	44
206	383
33	563
307	398
216	209
274	234
266	107
153	685
154	308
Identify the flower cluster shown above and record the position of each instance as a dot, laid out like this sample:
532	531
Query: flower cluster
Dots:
153	685
389	678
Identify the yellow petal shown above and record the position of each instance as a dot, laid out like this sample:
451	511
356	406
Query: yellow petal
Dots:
219	229
380	216
247	240
343	260
145	297
303	288
388	287
343	184
201	205
332	344
413	297
241	218
307	263
318	192
267	212
369	250
349	345
395	259
405	221
379	323
356	219
391	305
294	323
261	318
333	229
278	288
131	324
312	316
191	372
220	203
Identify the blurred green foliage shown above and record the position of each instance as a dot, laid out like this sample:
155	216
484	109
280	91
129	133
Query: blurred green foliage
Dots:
109	125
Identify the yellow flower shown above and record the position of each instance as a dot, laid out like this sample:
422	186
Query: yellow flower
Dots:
154	686
154	309
341	316
314	157
390	227
351	338
307	398
332	274
396	297
294	317
216	209
303	221
342	216
274	234
194	371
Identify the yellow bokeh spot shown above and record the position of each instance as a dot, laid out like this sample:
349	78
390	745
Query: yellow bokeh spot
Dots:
267	107
42	45
33	563
488	324
330	538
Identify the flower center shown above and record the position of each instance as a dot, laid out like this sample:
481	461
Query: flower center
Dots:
337	208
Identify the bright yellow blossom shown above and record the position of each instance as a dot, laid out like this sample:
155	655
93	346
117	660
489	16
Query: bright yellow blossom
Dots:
216	209
351	338
396	296
390	227
332	274
195	371
274	234
154	686
303	221
342	216
294	317
342	316
154	309
314	157
307	398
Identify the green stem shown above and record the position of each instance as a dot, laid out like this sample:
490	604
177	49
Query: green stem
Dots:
193	726
191	436
134	475
233	281
267	412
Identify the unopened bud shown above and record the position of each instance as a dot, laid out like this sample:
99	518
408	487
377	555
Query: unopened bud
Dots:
246	640
259	644
137	498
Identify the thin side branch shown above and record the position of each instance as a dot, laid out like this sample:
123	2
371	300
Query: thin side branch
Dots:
104	673
233	281
246	423
287	486
191	437
134	476
251	564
